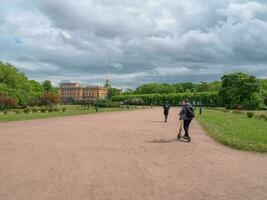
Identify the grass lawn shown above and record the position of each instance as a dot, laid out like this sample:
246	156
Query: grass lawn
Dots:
235	130
70	110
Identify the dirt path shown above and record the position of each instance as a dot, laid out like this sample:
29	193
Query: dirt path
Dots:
122	155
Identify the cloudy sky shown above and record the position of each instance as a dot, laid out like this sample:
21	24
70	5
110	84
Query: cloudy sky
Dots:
140	41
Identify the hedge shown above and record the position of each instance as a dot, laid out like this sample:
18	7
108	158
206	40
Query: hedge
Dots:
207	98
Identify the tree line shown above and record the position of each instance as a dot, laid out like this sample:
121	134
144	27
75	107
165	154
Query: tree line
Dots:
16	90
234	91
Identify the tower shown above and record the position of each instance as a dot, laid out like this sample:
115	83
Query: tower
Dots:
107	84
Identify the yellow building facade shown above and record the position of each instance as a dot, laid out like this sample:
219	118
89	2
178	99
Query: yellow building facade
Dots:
79	92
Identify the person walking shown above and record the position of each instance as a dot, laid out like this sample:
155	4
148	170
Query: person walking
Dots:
166	109
186	116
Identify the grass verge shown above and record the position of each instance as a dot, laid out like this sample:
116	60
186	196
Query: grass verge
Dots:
70	110
235	130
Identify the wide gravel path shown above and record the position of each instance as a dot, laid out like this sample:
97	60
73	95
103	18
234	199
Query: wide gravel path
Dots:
123	155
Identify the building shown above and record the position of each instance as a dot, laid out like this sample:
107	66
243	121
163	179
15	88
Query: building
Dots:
79	92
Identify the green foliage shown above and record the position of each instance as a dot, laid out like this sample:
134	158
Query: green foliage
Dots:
47	85
43	109
240	90
165	88
113	92
34	110
207	98
14	83
27	110
250	114
64	109
108	104
155	88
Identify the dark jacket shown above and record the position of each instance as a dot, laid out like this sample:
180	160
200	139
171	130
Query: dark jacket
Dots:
166	108
183	114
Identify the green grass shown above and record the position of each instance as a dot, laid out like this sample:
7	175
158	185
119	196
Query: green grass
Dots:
70	110
235	130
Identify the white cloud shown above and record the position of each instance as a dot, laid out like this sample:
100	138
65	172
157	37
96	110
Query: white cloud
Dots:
140	42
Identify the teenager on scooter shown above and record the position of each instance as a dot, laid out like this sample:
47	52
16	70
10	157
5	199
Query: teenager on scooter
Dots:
186	115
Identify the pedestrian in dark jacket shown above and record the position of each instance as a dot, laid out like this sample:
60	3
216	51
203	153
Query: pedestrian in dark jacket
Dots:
186	114
166	109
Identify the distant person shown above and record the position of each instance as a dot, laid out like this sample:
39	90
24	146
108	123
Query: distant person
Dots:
166	108
186	115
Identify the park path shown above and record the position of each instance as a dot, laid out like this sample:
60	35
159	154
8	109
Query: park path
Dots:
122	156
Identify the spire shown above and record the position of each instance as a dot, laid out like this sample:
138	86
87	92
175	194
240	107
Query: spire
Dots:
107	77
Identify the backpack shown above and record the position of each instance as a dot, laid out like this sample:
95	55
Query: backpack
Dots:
189	112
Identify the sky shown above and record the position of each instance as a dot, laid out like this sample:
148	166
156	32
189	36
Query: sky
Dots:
139	41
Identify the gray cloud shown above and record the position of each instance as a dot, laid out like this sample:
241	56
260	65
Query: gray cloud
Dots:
141	41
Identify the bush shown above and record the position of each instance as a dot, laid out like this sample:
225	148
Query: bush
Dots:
56	109
7	102
64	109
207	98
250	114
50	99
34	110
27	110
43	110
50	109
262	116
108	104
5	112
17	111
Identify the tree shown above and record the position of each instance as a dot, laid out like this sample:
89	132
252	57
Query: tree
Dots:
240	90
178	87
155	88
50	99
113	92
189	86
47	85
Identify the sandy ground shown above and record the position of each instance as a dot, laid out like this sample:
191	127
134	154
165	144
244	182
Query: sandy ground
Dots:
122	155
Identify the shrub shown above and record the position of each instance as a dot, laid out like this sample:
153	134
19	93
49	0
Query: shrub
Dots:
27	110
5	112
17	111
250	114
56	109
64	109
34	110
43	110
50	109
7	102
50	98
261	116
